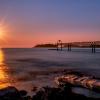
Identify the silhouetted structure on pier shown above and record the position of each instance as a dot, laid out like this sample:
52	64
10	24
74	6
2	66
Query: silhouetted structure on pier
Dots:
69	47
59	45
92	45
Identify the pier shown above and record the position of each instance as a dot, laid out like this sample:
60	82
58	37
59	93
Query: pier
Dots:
92	45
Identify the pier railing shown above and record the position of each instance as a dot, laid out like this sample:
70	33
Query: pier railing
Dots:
69	46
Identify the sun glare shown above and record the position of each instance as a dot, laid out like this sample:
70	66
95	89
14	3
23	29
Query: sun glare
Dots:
3	30
3	73
3	34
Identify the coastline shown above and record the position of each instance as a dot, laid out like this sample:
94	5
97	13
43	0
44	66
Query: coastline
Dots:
44	67
60	92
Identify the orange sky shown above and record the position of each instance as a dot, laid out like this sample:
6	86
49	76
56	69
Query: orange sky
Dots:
25	24
28	41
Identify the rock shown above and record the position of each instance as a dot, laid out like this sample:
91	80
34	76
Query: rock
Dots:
64	93
26	98
23	93
34	89
48	93
79	80
9	93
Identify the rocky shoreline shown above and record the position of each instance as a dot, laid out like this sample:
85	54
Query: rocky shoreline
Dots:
61	92
46	93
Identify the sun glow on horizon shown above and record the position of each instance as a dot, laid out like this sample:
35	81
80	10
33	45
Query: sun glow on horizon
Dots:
4	30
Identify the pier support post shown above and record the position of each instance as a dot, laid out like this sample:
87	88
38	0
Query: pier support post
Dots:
93	47
59	45
69	47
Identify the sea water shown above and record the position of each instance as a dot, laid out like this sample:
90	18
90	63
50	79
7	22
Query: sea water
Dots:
25	68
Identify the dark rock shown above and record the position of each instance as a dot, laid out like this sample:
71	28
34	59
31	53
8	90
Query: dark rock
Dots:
23	93
64	93
34	88
9	93
40	95
26	98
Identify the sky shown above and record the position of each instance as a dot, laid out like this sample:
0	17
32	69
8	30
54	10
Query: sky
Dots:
25	23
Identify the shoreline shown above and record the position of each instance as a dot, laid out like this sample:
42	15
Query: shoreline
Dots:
67	91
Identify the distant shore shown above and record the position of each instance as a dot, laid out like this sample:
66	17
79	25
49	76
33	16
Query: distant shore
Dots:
73	44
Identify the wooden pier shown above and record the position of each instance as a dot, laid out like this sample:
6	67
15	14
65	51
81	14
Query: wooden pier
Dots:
69	46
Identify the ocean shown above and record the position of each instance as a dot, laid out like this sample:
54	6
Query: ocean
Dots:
26	68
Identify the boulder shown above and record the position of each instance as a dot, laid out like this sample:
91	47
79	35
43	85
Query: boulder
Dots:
9	93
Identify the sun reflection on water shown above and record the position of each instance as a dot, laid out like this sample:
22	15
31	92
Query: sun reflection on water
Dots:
4	79
1	56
